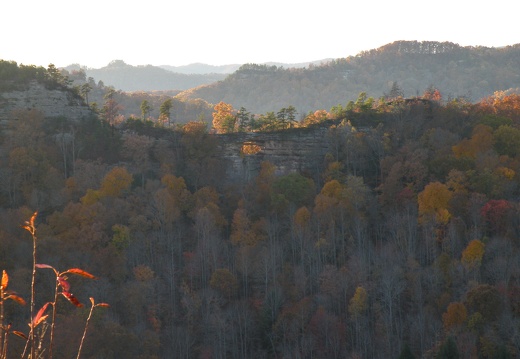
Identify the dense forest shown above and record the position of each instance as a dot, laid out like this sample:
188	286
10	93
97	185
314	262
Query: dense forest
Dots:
401	243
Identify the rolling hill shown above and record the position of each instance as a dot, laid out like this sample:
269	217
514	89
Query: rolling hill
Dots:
412	66
125	77
456	71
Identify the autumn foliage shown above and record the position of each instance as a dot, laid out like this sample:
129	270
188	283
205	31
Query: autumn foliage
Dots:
473	254
455	316
434	202
394	235
40	320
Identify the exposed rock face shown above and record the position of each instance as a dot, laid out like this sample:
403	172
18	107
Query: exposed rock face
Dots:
296	150
53	103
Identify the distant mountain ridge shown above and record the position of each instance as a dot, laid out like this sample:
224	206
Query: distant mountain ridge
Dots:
202	69
125	77
472	72
415	66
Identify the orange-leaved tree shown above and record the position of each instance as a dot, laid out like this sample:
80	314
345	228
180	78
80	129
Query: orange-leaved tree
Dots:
224	118
455	316
116	182
481	141
473	254
434	202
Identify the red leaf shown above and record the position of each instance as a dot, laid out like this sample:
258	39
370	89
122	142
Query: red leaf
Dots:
5	280
80	272
39	265
20	334
39	317
16	298
64	284
40	320
71	298
31	221
99	304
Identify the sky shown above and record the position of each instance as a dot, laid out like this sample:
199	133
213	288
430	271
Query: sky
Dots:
219	32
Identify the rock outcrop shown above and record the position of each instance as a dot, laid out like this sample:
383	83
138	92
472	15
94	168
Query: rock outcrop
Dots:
296	150
52	103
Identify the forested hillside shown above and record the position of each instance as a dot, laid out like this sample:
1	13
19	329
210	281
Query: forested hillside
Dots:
410	66
471	72
403	241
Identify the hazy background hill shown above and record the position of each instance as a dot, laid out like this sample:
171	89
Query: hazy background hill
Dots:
199	68
125	77
456	71
470	72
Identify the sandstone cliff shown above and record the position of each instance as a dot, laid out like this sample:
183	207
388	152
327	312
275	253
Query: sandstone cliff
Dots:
52	102
297	150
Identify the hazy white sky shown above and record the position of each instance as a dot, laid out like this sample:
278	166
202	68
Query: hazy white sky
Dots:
217	32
